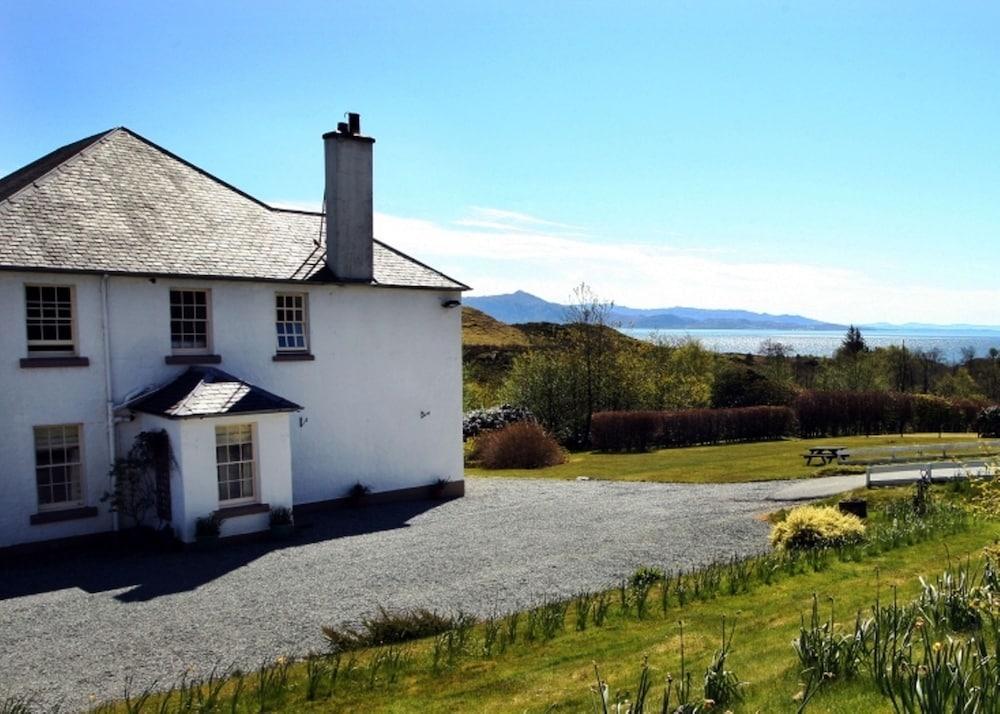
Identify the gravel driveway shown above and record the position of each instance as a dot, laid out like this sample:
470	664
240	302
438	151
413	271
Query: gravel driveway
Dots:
81	627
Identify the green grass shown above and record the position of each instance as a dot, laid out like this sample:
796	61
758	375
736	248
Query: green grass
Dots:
555	676
727	463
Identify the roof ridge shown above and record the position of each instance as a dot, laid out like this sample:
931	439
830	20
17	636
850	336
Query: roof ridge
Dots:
31	174
198	169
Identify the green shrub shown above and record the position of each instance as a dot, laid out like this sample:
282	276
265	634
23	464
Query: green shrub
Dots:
988	423
522	445
817	527
388	627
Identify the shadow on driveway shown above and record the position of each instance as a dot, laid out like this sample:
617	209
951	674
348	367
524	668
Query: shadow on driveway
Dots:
110	566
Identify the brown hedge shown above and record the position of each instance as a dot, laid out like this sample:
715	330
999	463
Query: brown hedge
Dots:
638	431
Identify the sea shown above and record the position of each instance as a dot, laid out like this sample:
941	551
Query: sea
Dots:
823	343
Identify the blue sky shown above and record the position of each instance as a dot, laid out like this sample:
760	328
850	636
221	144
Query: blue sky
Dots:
840	160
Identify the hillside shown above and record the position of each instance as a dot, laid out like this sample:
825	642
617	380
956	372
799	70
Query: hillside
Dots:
481	330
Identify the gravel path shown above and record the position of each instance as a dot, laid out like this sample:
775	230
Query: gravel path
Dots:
82	627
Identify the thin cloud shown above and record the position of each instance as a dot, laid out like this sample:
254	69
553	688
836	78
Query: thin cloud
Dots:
549	263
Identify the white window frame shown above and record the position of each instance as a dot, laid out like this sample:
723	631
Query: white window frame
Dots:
254	463
305	321
207	349
71	503
52	348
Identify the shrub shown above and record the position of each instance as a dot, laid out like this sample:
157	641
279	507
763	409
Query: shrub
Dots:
522	445
480	420
988	423
817	527
208	526
389	627
281	516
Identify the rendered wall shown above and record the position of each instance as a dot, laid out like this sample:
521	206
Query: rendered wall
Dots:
36	397
382	399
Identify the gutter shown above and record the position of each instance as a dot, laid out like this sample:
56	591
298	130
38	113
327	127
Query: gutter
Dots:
109	401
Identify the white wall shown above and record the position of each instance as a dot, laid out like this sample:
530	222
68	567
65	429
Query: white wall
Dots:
383	356
36	397
200	488
126	434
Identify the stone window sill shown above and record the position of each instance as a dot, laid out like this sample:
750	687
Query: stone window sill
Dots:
192	359
68	514
42	362
294	357
248	509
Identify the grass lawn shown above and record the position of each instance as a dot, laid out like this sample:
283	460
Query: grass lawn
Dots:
555	676
727	463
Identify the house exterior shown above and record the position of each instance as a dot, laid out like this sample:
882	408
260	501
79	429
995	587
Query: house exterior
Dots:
287	355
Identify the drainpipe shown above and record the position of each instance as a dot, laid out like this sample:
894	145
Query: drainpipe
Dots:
109	401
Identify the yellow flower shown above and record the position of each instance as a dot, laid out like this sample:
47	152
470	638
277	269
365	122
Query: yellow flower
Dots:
936	647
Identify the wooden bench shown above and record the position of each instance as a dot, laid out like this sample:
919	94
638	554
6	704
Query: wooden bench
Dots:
826	454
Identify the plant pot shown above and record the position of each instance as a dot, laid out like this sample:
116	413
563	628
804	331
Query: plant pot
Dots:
282	531
856	507
206	542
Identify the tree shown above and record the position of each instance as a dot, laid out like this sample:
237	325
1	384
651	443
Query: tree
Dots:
930	364
959	385
738	386
777	360
853	343
899	367
592	347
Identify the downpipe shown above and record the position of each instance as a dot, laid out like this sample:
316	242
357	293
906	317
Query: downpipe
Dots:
109	401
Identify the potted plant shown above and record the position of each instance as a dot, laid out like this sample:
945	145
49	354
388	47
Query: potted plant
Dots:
282	522
206	531
439	486
357	493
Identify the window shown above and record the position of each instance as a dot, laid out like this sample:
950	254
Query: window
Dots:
58	469
49	319
189	323
290	322
234	458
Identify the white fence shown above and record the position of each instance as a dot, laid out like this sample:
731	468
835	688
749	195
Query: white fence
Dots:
922	452
935	471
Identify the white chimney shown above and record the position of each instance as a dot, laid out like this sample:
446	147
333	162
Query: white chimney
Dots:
349	201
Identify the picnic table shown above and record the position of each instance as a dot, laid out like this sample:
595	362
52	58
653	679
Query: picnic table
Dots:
826	454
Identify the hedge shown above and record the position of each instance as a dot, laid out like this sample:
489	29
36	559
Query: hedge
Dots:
846	413
638	431
814	413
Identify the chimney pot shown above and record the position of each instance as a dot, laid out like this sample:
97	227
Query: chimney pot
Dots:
354	122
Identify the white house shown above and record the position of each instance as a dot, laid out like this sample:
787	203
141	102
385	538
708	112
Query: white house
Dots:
286	354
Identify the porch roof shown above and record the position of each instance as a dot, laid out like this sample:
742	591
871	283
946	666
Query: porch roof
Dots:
206	392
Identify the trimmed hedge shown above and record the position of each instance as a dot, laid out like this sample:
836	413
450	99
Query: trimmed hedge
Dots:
638	431
814	413
846	413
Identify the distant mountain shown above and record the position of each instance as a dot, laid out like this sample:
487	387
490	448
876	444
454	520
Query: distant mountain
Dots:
929	327
520	307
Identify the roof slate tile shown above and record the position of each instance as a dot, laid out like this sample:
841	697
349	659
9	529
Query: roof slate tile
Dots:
118	203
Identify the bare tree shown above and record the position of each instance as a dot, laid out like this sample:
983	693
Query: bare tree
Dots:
592	346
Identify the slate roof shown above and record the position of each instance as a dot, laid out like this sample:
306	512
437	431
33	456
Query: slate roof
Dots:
118	203
207	391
